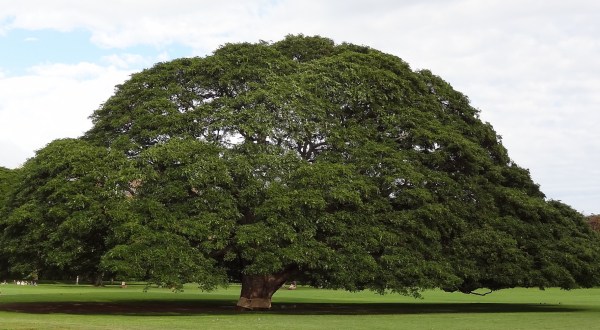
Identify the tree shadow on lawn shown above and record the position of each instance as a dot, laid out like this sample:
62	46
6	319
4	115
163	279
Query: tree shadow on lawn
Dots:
215	307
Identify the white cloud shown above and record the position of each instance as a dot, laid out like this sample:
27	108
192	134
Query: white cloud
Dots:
119	24
51	102
13	154
79	71
125	61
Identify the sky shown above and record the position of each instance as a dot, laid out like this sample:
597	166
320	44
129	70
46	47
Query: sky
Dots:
532	67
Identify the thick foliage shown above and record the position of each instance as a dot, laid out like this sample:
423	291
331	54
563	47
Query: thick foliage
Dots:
333	164
337	163
8	179
58	218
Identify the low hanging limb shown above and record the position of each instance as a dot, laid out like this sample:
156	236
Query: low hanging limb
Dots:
481	294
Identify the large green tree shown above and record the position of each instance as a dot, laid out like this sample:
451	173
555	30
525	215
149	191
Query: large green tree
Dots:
59	214
336	165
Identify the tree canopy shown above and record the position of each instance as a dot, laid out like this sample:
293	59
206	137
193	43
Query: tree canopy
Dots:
61	210
334	165
8	179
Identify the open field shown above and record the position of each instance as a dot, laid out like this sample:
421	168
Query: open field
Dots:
85	307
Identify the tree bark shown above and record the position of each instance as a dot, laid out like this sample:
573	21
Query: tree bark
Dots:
98	279
257	290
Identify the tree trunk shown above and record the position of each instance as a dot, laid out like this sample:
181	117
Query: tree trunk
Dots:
257	290
98	279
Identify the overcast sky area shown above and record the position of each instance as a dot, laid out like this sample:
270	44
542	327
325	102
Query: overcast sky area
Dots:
531	67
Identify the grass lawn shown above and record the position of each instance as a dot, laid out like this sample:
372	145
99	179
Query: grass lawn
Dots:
85	307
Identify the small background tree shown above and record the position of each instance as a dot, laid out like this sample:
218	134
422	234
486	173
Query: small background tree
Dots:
594	221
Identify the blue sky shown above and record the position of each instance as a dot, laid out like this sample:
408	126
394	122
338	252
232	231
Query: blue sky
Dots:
530	66
29	48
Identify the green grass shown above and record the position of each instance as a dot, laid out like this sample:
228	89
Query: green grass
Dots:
84	307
